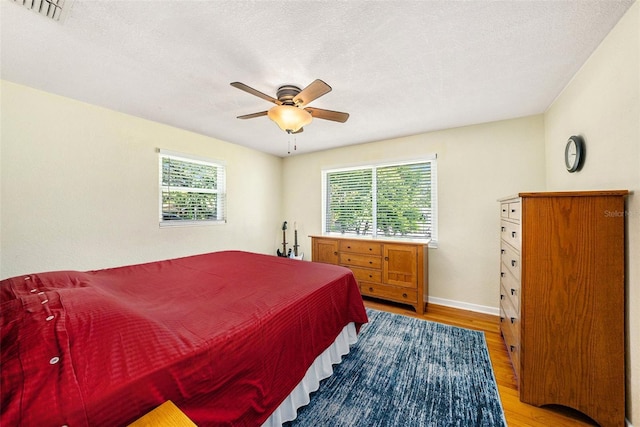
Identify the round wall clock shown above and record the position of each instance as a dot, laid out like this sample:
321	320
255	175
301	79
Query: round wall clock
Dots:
574	153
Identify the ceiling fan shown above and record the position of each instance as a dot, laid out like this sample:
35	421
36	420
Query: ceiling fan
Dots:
291	113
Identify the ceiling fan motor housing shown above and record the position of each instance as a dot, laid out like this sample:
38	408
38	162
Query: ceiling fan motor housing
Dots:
287	93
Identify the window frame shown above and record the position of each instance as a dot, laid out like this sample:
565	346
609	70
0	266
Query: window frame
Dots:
432	159
221	170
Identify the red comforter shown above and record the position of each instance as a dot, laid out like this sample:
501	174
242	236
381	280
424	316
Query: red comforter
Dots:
225	336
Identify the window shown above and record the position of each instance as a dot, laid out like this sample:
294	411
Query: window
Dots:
385	200
192	190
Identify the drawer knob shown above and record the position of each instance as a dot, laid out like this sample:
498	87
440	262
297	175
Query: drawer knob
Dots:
513	263
513	291
370	262
348	259
370	276
386	258
348	247
513	234
404	295
370	289
513	210
502	274
503	229
335	253
513	319
501	296
501	319
370	249
512	348
502	251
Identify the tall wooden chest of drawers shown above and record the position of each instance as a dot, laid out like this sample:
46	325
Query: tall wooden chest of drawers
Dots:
391	270
562	299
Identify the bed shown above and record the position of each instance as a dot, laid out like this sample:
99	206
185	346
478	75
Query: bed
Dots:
232	338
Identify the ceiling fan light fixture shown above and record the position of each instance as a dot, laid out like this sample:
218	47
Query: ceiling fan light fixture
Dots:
289	118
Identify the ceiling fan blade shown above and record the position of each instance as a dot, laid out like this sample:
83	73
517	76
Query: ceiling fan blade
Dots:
255	92
251	116
336	116
315	90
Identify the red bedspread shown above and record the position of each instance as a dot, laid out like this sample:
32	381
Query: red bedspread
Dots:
226	336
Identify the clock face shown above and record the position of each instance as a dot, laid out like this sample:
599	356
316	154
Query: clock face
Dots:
573	153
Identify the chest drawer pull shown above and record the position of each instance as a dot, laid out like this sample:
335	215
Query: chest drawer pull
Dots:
404	295
513	319
512	348
502	274
513	263
513	234
501	296
513	291
370	289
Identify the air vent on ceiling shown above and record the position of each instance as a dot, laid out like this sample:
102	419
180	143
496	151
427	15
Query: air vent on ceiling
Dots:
52	9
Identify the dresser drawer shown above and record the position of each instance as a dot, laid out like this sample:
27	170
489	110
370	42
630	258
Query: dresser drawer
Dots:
511	318
510	287
514	211
504	210
509	326
360	260
366	275
389	292
511	342
361	247
510	233
511	260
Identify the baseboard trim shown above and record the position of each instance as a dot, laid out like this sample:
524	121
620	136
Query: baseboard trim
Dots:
465	306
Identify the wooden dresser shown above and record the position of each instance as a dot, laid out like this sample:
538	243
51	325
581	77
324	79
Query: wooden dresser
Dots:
390	270
562	299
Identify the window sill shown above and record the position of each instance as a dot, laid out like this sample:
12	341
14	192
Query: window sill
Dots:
187	223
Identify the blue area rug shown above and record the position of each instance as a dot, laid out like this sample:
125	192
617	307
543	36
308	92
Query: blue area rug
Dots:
408	372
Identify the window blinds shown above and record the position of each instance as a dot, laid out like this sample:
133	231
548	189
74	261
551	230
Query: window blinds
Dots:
191	189
349	201
386	200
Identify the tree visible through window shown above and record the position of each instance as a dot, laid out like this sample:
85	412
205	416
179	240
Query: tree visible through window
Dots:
191	189
395	200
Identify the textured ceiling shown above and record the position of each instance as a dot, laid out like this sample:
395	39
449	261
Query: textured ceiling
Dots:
398	67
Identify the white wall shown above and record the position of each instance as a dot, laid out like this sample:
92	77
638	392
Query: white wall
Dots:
602	104
80	188
476	166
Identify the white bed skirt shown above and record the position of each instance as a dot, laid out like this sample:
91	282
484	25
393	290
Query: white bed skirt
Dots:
321	368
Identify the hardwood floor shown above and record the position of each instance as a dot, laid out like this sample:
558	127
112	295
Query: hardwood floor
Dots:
517	413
